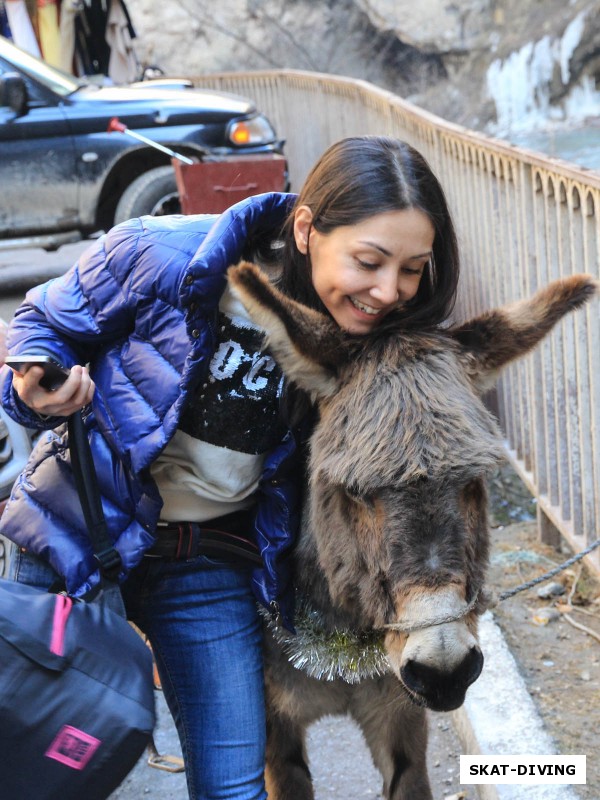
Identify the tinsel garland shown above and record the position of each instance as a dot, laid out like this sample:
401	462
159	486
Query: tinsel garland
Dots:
351	656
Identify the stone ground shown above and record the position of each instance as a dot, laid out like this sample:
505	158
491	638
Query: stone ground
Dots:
560	663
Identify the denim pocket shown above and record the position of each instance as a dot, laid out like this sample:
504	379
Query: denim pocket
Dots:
31	570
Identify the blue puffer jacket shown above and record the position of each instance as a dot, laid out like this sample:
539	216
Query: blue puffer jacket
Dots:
141	308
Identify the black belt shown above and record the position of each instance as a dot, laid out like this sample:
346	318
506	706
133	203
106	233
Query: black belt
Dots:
221	538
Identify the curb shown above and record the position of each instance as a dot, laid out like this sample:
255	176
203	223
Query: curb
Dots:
20	278
500	718
21	268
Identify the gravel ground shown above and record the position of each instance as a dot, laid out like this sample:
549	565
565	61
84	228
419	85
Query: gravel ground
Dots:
560	664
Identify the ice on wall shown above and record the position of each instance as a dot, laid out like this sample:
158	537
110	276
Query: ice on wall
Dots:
520	84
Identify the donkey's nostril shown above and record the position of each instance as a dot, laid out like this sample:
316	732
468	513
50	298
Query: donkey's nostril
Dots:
414	676
473	664
441	689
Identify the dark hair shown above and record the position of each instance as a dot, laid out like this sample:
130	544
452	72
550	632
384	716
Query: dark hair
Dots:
360	177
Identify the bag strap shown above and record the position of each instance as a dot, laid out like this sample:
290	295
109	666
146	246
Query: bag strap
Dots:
86	482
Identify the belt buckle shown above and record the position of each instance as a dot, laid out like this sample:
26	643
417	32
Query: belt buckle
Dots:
193	531
188	540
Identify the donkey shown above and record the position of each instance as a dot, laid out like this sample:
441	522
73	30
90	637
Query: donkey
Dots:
394	538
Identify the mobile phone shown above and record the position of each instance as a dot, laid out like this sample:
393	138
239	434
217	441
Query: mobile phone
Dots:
54	373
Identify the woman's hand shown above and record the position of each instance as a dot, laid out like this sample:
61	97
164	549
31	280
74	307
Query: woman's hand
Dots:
75	393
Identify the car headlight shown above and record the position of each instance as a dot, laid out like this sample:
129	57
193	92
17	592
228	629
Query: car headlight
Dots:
256	130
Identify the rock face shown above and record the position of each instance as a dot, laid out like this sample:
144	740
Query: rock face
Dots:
433	25
494	65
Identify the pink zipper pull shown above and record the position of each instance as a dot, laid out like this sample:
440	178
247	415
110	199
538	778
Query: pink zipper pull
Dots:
62	609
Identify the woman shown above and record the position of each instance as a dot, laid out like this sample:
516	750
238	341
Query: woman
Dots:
196	441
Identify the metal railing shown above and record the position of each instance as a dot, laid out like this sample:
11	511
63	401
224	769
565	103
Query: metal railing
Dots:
522	221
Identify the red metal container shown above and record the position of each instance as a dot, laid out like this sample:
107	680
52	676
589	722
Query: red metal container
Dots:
210	187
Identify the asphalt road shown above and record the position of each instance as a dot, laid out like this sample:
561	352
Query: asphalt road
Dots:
339	760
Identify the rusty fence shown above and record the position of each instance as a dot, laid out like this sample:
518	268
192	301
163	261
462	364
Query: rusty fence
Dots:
523	220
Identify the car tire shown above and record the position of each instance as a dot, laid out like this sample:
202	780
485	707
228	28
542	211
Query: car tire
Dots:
154	192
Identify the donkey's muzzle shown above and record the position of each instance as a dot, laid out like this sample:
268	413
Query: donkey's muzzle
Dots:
438	689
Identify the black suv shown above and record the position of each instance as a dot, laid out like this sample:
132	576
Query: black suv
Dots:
62	171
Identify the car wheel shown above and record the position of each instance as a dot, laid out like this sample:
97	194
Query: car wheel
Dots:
154	192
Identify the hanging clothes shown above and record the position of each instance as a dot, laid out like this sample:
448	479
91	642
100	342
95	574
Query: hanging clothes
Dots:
4	25
48	31
102	26
122	66
91	46
69	9
21	26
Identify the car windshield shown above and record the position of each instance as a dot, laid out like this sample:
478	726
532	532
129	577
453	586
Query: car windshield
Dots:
52	78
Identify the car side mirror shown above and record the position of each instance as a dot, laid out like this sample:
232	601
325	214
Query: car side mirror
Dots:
13	93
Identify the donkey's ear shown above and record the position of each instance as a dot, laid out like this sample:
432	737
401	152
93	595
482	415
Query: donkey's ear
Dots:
305	343
498	337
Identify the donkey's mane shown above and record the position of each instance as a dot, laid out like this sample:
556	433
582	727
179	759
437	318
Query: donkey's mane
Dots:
411	390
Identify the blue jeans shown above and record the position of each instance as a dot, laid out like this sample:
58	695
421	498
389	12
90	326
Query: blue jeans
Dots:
201	619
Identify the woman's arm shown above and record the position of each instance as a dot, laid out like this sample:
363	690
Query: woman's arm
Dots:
69	318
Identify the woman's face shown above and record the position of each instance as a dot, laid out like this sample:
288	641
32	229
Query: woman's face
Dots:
362	272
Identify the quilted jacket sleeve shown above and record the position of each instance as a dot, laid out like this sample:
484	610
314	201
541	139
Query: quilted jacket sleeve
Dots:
70	317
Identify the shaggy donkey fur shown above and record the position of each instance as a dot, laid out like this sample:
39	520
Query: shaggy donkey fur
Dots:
395	520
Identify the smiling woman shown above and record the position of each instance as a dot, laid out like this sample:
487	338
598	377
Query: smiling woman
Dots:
385	224
363	272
